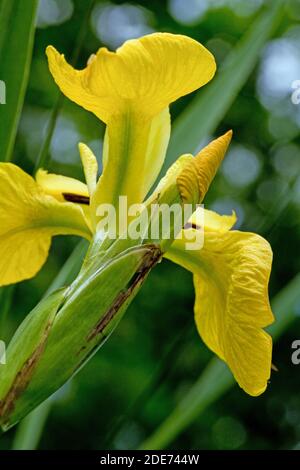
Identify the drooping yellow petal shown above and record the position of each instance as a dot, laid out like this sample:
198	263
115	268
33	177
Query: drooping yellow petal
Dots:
231	275
29	218
145	74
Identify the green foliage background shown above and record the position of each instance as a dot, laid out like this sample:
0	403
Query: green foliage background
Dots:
153	359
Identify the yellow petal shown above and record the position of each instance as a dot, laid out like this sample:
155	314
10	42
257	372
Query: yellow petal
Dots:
29	218
145	74
130	90
231	275
213	222
124	159
133	153
61	187
158	141
90	167
195	179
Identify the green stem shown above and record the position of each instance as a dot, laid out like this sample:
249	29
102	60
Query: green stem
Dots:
31	428
6	295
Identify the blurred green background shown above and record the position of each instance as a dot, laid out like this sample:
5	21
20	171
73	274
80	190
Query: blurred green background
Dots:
155	356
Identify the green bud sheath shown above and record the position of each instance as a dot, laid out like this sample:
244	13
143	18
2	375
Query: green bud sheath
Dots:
63	332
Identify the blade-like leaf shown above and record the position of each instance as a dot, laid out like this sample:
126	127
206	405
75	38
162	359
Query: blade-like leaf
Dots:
216	378
17	22
209	106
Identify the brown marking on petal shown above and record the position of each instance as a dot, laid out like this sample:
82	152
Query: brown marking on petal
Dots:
22	379
78	198
150	259
192	225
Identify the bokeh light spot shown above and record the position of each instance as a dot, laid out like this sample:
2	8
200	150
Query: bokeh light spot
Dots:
229	433
241	166
54	12
114	24
189	11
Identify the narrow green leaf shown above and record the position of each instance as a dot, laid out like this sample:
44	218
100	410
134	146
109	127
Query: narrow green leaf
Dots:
216	379
205	112
17	20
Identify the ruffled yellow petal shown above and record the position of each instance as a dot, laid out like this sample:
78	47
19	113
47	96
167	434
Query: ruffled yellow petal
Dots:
231	275
145	74
29	218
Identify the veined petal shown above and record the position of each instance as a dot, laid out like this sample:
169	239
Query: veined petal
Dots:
145	74
29	218
231	275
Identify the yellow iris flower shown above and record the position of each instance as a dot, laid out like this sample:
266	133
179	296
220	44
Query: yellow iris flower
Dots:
131	91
